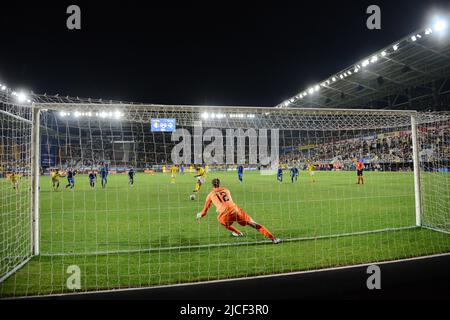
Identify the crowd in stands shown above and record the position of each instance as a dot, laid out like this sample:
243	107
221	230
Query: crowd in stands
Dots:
393	147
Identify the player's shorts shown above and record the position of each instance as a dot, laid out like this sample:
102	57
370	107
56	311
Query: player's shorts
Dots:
71	180
311	173
234	215
201	180
104	178
359	173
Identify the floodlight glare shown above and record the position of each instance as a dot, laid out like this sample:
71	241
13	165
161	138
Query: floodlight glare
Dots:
374	59
365	63
311	90
3	88
395	47
77	114
21	97
413	38
117	114
440	25
428	31
317	87
383	53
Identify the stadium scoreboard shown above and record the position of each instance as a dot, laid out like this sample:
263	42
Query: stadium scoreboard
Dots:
163	125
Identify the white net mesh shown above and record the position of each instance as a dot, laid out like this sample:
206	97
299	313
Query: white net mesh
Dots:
434	141
15	187
140	230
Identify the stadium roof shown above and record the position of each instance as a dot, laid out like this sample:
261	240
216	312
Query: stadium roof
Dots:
408	74
412	73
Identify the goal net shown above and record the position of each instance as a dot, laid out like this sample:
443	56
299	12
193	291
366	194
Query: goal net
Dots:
15	187
120	193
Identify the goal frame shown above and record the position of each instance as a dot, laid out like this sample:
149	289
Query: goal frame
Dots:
38	108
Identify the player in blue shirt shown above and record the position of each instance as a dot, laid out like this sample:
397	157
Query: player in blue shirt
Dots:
294	174
131	174
182	169
240	171
92	178
71	178
280	175
104	175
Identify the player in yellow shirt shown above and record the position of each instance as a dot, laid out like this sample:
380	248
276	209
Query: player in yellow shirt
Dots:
201	175
14	177
55	179
173	171
207	169
311	170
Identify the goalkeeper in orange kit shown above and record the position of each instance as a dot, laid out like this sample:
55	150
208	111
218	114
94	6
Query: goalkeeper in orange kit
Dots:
229	212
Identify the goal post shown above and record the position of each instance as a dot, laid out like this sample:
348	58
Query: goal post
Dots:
35	174
416	164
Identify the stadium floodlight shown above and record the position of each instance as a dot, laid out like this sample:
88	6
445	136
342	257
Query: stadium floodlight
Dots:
333	79
365	63
316	88
383	53
311	90
3	88
440	25
21	97
413	38
395	47
428	31
77	114
374	59
62	114
117	114
355	70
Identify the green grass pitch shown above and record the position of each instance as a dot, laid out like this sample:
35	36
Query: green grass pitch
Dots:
147	235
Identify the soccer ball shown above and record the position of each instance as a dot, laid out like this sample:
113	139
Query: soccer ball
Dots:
192	197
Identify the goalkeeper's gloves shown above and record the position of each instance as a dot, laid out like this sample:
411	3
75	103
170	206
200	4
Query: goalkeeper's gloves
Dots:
199	216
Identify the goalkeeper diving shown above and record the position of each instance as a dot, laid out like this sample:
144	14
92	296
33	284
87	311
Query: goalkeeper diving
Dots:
229	212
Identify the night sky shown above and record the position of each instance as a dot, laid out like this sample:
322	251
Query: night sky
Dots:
193	52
